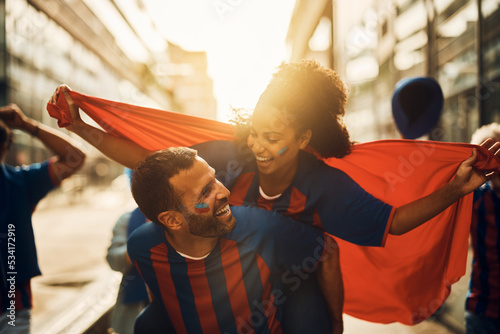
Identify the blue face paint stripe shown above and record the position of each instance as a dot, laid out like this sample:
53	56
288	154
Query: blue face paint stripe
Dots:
283	150
201	207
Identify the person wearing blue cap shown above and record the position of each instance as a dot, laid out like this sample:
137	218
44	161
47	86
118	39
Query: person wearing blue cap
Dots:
417	103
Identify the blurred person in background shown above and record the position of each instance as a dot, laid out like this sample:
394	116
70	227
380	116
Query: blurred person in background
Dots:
132	294
21	188
417	103
483	299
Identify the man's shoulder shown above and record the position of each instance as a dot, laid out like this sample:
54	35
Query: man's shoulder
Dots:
256	225
144	238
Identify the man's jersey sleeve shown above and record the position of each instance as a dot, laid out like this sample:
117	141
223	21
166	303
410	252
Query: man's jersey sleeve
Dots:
278	239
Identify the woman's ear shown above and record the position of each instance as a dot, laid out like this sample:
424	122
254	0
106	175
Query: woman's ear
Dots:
172	220
305	138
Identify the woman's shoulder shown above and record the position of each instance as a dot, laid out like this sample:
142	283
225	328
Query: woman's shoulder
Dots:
310	163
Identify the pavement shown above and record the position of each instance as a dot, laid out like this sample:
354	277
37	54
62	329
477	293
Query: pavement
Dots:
72	236
77	286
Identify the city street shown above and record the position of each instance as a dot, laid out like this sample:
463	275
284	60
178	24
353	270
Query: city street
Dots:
77	285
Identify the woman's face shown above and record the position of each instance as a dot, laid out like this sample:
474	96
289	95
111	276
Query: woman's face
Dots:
273	141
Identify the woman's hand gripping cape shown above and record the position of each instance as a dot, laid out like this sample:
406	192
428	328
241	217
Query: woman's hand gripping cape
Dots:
405	281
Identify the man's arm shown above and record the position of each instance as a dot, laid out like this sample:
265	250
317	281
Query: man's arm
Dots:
467	178
331	284
68	158
121	150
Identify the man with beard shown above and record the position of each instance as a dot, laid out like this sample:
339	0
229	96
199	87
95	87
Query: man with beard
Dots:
211	268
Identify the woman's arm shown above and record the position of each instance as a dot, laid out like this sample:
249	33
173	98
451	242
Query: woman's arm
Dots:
121	150
467	178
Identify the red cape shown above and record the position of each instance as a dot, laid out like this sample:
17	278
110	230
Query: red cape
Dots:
407	280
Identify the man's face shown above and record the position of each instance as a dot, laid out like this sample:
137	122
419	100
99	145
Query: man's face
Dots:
204	201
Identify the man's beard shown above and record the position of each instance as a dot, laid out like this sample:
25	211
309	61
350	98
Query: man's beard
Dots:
206	226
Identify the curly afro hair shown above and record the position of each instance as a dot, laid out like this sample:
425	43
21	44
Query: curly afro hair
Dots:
311	97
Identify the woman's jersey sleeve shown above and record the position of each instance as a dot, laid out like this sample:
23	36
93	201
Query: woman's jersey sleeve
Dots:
347	211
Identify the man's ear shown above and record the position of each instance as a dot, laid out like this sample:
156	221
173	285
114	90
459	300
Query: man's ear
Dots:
172	220
305	138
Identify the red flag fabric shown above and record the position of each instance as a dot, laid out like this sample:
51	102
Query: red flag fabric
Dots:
405	281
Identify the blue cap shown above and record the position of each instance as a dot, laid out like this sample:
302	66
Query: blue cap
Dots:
417	103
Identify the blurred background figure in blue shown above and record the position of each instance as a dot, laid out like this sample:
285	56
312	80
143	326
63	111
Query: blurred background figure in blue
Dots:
417	103
21	189
132	294
483	299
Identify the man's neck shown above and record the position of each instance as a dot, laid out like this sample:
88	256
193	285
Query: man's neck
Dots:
191	245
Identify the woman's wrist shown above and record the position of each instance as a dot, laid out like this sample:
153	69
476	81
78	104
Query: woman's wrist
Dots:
77	127
454	190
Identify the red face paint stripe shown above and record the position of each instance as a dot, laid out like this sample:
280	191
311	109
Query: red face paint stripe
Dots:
233	273
167	288
201	207
240	189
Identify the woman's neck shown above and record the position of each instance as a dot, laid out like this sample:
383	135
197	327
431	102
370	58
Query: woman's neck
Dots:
277	182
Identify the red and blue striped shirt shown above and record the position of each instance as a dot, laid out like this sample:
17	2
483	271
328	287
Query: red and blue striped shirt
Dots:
239	286
484	286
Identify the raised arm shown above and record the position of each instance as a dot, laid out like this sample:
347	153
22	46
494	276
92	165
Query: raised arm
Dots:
121	150
467	178
68	158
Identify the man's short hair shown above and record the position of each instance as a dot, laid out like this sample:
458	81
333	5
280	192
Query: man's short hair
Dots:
151	185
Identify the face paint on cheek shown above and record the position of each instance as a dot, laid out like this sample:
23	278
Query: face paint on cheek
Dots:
201	207
283	150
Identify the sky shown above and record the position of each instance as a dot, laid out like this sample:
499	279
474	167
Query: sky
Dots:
244	41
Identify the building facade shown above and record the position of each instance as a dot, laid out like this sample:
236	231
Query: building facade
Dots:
97	47
378	42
